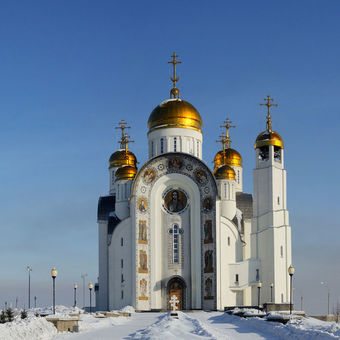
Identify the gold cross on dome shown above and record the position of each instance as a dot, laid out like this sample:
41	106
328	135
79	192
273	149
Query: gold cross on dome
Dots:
269	104
224	141
122	126
174	91
125	141
227	126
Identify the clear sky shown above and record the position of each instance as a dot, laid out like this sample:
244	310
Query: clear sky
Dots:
70	70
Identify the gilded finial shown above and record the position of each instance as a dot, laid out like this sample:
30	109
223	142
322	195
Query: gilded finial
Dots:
174	91
227	126
269	105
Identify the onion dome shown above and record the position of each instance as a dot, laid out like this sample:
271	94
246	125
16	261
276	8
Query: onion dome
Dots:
224	172
231	158
175	113
268	138
122	157
127	172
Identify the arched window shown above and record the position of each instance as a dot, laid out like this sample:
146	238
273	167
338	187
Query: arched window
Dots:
175	144
225	190
175	231
162	145
152	150
228	241
176	235
281	251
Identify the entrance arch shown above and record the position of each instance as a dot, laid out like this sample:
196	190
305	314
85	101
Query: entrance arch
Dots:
176	286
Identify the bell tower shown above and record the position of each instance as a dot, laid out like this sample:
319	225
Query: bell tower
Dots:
271	232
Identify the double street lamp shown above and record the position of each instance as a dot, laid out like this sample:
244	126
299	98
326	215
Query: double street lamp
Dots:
90	288
291	271
259	285
54	274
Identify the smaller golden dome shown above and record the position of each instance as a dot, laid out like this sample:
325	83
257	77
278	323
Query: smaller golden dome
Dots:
267	138
232	158
121	158
175	113
127	172
225	172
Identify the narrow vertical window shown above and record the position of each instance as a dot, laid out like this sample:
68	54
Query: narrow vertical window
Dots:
257	275
238	176
281	251
228	241
118	191
282	298
121	242
162	145
198	148
225	190
278	200
175	144
122	278
152	149
113	177
176	235
122	295
121	263
236	278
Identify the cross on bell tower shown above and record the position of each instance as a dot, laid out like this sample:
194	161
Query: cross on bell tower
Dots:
269	104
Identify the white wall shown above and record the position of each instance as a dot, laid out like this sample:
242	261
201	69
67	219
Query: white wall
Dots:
187	141
117	252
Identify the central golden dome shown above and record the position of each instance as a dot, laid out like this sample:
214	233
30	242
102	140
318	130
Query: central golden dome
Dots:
232	158
175	113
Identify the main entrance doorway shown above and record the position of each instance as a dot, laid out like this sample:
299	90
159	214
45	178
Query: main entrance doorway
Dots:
176	287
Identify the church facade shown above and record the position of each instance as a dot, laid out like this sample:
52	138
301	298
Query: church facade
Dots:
177	227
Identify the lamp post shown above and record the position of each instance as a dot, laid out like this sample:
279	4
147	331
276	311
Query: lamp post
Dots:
83	277
259	285
75	286
291	271
29	269
54	274
271	291
90	288
329	294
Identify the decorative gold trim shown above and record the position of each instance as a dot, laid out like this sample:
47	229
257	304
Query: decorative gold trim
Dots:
140	270
143	298
142	242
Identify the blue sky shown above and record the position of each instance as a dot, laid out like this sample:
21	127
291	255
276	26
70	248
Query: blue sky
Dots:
69	71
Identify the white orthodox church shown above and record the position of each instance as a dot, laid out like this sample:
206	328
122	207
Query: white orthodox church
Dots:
177	227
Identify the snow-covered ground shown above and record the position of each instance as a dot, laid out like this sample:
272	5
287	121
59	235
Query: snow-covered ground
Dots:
189	325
